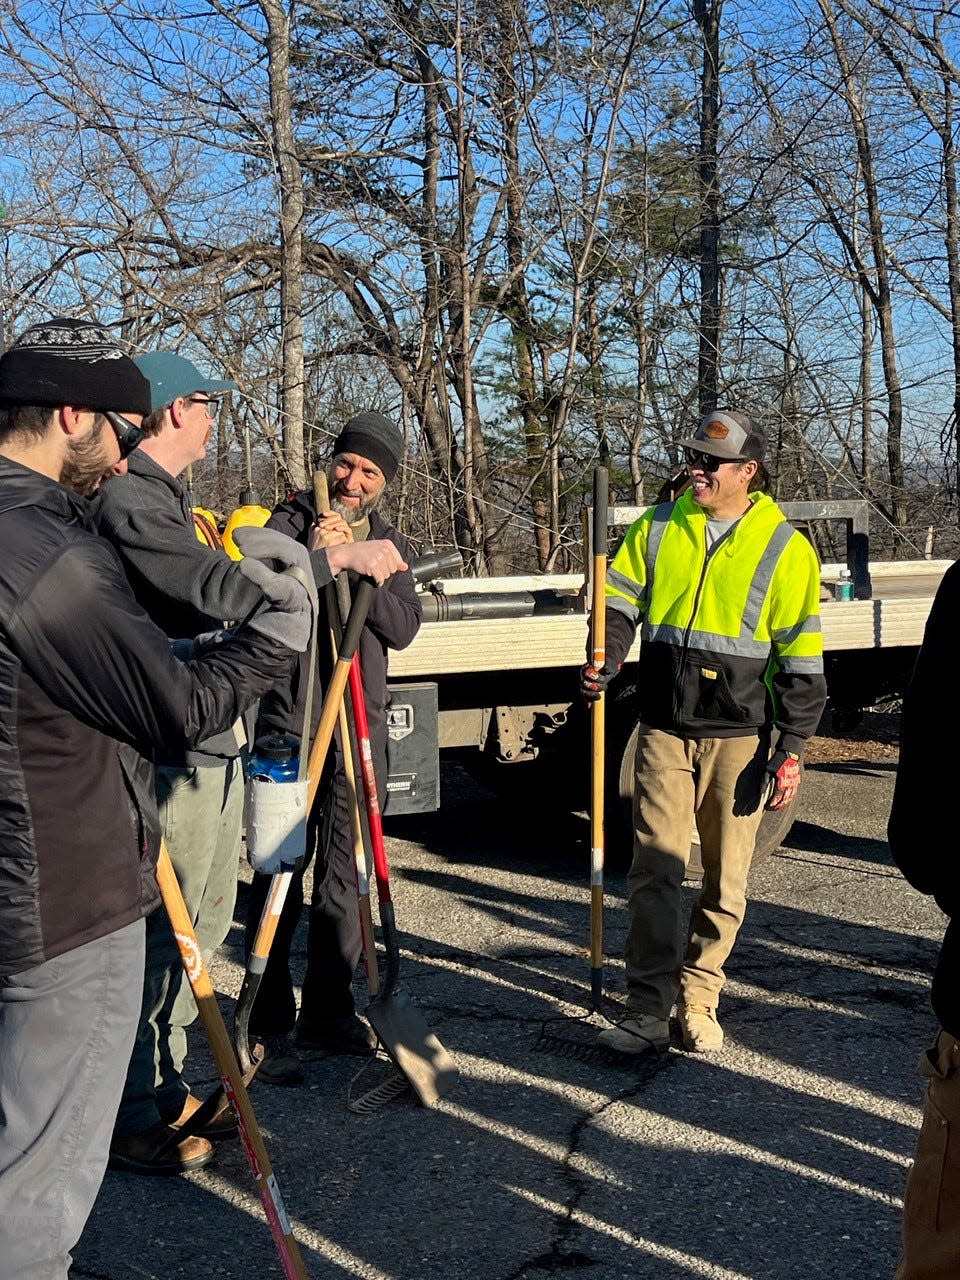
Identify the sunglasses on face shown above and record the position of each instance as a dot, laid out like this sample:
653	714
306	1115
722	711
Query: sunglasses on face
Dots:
705	461
128	435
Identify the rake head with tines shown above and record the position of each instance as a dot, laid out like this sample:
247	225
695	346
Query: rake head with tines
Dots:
390	1083
576	1038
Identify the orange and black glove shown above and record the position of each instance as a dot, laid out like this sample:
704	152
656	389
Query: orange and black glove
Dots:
593	682
783	771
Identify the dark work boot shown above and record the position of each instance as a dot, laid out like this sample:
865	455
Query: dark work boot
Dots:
335	1035
281	1062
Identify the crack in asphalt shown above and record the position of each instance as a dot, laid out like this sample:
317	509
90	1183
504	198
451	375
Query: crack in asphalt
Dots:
561	1255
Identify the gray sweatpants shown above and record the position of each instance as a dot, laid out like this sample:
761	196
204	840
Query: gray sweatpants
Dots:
66	1030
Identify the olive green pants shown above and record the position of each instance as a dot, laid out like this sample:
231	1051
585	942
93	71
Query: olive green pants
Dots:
201	813
931	1202
721	781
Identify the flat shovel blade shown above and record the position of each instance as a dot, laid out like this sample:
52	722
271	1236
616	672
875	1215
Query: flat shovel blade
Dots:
412	1046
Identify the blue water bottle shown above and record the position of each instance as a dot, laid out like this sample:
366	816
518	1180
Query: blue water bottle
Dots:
275	758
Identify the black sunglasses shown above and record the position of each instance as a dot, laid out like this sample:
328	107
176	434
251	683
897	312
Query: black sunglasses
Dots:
706	461
128	436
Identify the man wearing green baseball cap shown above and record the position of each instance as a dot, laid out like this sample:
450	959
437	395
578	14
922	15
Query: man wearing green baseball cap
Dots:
188	589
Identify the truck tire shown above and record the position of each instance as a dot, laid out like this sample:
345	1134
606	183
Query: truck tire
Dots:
622	747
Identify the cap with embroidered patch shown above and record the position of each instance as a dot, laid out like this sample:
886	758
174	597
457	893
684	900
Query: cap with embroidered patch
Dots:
728	434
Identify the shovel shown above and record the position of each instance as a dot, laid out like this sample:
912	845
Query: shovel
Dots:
233	1083
598	632
412	1046
280	883
337	597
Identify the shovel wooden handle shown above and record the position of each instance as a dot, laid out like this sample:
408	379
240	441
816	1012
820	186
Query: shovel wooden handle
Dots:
598	632
335	689
336	614
229	1068
269	919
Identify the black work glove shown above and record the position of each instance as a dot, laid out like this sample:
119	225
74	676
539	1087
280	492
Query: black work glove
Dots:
593	683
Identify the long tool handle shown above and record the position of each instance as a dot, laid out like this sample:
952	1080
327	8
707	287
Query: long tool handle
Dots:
279	884
267	928
598	631
257	965
337	687
199	979
381	867
338	609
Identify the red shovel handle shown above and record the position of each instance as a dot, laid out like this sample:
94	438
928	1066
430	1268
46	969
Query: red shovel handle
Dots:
359	705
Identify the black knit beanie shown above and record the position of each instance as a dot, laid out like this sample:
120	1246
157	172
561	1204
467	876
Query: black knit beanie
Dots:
65	361
375	437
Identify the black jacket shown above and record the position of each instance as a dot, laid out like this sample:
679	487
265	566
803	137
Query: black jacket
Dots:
393	621
187	588
922	830
88	684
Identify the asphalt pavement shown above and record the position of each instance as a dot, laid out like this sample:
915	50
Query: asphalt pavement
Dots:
781	1158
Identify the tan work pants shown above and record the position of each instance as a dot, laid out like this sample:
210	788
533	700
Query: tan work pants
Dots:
721	780
931	1202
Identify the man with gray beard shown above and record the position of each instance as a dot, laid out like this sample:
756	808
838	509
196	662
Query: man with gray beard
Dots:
365	458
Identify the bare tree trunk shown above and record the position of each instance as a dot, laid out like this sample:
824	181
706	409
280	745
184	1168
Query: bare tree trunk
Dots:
707	14
867	334
516	304
952	246
880	292
291	245
939	110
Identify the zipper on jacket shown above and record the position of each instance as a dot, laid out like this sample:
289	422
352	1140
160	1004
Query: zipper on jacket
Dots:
708	554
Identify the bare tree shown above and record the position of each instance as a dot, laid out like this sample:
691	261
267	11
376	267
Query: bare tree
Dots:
708	15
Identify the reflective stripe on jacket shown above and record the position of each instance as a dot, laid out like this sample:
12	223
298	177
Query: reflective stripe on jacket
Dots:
724	632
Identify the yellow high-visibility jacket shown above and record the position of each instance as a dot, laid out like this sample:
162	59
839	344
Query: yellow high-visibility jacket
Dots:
730	639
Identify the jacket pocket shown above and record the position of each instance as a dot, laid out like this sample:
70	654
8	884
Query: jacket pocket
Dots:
711	695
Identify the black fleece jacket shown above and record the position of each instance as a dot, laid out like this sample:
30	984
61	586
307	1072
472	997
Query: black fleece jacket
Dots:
88	686
922	830
392	623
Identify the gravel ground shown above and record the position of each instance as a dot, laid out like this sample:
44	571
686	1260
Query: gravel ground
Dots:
874	739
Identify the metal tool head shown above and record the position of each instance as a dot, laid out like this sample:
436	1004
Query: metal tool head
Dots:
412	1046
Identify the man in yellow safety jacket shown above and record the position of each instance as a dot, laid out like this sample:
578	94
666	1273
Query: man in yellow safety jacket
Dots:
726	595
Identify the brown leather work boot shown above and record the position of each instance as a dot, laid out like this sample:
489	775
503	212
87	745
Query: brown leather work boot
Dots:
152	1152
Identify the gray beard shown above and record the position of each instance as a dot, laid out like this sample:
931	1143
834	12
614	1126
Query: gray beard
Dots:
353	515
